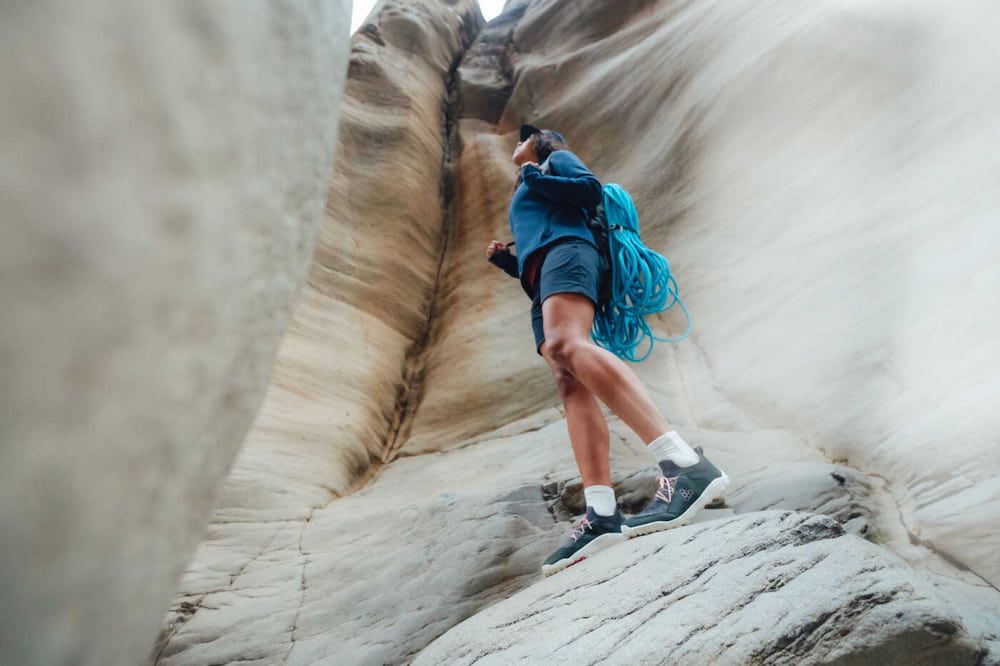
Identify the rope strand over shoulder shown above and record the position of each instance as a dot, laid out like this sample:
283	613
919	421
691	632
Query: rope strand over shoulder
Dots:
641	283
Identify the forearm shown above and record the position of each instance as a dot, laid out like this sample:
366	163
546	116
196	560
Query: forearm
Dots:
581	187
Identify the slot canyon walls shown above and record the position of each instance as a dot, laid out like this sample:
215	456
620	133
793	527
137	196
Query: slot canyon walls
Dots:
164	173
825	205
821	178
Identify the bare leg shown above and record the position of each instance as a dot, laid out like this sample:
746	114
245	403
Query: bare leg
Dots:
568	318
588	431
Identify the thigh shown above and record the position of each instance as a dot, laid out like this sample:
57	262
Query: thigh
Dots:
572	270
567	316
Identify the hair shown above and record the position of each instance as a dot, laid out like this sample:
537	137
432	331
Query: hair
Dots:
545	145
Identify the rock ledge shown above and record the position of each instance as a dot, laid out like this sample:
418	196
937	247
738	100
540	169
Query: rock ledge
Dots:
770	587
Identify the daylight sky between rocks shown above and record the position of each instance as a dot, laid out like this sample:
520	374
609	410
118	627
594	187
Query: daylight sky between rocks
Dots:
362	8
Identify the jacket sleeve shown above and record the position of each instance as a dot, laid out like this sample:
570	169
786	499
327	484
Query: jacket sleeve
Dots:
575	184
505	260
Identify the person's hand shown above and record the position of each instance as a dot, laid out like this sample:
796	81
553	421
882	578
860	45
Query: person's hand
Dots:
493	247
535	164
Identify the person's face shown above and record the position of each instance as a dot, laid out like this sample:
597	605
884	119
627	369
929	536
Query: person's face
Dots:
525	151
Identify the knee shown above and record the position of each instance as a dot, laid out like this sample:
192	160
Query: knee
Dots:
566	383
562	349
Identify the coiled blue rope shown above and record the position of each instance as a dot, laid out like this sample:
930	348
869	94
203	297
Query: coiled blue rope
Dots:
641	283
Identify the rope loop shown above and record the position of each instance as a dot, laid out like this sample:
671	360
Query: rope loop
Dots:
641	283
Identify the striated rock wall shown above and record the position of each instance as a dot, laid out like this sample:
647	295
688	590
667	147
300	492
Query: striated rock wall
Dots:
351	368
737	599
817	176
163	175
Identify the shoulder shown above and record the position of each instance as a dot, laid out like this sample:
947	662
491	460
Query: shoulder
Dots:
564	160
565	156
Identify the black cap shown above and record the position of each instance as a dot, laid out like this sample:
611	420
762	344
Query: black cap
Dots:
527	130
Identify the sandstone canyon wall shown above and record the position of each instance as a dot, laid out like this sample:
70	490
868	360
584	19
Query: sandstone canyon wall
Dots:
164	173
820	178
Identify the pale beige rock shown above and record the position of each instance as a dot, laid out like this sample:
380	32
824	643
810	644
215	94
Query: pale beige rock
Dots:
374	577
353	357
771	588
164	171
823	198
819	177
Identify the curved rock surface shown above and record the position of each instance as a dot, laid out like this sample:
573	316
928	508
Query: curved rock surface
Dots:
163	176
771	587
821	179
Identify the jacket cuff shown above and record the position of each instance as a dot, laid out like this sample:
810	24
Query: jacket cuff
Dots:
506	261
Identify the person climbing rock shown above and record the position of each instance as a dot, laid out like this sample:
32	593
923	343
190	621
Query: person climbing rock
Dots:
560	267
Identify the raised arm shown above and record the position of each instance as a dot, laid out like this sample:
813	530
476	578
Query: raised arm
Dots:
575	183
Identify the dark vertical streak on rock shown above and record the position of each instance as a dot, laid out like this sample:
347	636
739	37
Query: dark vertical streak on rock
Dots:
411	388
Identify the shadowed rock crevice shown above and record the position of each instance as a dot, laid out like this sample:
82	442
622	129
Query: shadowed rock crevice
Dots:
488	66
414	369
306	449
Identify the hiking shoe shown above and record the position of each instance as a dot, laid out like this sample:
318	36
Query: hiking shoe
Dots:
682	492
591	534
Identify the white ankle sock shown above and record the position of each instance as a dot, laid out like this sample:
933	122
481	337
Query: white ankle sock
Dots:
671	446
602	498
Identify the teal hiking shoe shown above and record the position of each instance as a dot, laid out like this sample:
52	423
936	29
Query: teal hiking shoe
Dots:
682	492
591	534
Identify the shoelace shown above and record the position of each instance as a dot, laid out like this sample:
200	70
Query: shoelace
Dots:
666	491
580	528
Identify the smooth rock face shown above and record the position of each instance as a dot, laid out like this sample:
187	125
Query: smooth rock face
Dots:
351	367
822	194
772	587
164	172
840	492
816	176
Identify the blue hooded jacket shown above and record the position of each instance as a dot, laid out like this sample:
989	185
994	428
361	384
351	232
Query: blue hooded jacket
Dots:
547	207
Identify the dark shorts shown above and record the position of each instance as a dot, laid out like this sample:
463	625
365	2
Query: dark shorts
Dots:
573	265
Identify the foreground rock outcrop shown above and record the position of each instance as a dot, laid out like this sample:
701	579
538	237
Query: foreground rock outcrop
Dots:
823	192
770	587
164	172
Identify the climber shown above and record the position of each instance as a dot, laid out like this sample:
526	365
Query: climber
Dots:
560	267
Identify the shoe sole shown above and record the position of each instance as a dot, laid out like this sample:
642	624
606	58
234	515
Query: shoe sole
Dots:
713	492
597	545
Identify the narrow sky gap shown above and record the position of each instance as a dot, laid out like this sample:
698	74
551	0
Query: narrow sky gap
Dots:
361	9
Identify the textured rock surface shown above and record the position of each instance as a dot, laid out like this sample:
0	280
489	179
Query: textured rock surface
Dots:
164	171
773	587
351	367
819	178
